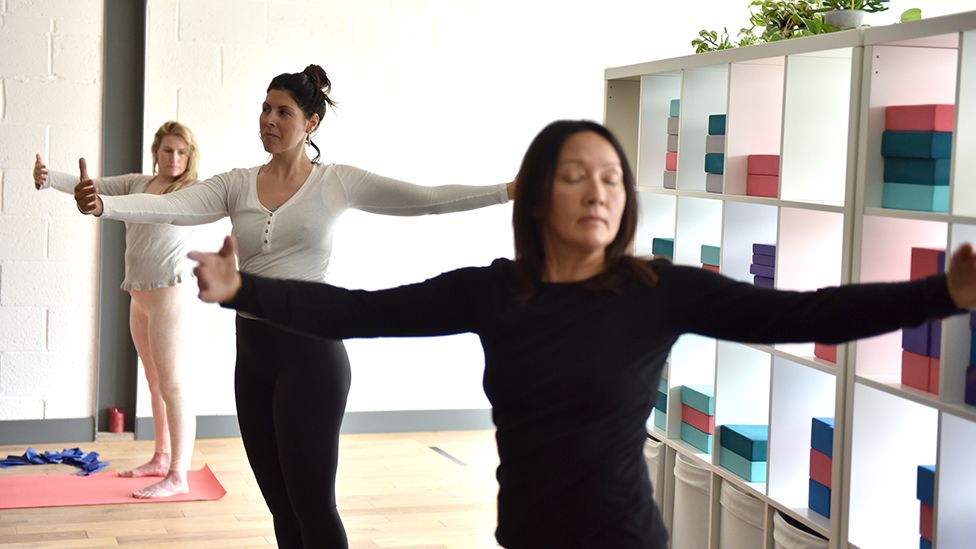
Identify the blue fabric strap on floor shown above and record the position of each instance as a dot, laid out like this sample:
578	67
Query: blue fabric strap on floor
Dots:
86	461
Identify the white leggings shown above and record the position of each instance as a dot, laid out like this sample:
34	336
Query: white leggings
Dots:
155	319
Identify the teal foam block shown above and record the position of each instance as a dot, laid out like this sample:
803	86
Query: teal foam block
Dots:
698	439
916	144
662	246
753	471
660	420
918	171
661	402
716	124
699	397
710	255
920	198
822	435
662	385
925	484
714	163
818	498
675	107
749	441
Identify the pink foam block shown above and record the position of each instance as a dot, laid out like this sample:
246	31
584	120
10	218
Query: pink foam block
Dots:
763	164
671	161
915	370
826	352
933	375
713	268
925	522
925	262
923	118
762	185
820	467
698	420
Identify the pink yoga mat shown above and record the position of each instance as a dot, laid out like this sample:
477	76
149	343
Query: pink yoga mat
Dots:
102	488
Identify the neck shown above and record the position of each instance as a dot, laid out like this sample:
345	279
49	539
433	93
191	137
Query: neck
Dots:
573	266
289	162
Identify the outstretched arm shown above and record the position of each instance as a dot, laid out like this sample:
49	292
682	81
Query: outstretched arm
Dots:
66	183
382	195
443	305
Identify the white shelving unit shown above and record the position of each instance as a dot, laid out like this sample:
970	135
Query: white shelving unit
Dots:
818	103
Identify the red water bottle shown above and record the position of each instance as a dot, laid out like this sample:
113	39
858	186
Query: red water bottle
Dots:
116	420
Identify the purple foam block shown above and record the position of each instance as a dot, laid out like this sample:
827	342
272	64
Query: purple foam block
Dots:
935	338
971	385
762	270
764	249
763	282
766	260
916	339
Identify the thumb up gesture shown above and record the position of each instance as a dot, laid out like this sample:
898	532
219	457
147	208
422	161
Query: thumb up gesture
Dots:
86	197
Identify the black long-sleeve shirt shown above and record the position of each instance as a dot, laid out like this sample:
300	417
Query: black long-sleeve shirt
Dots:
572	373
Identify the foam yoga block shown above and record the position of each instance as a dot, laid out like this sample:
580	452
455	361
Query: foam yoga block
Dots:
762	185
935	338
716	124
714	163
926	262
919	198
660	420
670	179
916	144
764	249
661	402
675	109
825	351
672	143
916	339
699	397
749	441
917	171
934	367
715	144
915	370
662	246
925	484
970	395
762	270
698	420
713	268
670	161
710	255
822	435
673	125
763	164
698	439
714	182
820	467
752	471
925	522
819	498
925	118
763	282
767	260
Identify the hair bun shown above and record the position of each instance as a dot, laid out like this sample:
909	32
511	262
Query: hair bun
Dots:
317	76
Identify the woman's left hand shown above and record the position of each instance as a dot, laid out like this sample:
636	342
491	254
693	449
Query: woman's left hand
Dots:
962	277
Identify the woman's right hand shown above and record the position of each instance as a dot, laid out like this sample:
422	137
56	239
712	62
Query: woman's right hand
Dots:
86	197
40	171
217	276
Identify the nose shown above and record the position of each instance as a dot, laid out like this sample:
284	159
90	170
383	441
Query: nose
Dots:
596	194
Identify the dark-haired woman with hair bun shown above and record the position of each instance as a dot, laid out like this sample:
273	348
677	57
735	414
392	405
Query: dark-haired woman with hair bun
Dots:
291	389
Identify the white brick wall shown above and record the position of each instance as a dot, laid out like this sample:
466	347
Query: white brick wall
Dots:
50	103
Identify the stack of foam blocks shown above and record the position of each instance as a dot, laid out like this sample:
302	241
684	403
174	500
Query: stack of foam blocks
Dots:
925	492
970	392
921	344
821	462
671	156
762	177
661	405
662	247
763	266
710	257
697	416
742	450
916	146
715	154
825	351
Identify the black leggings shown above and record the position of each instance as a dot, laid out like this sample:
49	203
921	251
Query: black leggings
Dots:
291	393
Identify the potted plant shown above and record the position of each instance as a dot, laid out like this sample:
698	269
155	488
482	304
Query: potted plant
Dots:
847	14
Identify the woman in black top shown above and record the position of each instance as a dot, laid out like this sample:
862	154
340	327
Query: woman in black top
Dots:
575	333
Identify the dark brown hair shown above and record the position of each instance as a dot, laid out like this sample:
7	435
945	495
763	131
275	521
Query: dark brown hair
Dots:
310	90
533	200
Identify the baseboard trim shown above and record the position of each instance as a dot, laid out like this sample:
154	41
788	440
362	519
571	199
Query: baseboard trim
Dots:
43	431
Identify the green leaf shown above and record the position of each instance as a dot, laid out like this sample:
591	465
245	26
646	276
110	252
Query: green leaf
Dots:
913	14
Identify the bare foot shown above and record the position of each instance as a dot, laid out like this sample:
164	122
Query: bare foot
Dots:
158	466
174	483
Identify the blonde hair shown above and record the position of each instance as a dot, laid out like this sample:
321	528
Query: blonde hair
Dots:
189	175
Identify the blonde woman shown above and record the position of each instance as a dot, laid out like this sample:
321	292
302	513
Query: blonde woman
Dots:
155	266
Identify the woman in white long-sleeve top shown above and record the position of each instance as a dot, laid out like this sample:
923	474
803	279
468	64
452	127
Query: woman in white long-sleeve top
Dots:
291	389
155	266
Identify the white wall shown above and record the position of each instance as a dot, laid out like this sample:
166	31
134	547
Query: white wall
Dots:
432	91
50	103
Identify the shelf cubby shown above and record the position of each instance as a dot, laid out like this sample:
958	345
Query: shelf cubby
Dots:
745	224
655	219
704	92
755	116
657	91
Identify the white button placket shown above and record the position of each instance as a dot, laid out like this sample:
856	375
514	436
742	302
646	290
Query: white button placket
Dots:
267	232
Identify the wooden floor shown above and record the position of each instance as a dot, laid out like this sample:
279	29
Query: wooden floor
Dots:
409	490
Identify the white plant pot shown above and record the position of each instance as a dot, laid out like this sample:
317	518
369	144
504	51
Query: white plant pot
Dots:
844	19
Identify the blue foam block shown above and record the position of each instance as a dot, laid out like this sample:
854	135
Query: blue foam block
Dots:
752	471
818	498
676	107
971	385
924	543
919	198
925	484
698	439
917	171
935	339
714	163
663	246
762	270
767	260
972	347
764	249
699	397
763	282
822	435
716	124
915	144
749	441
916	339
